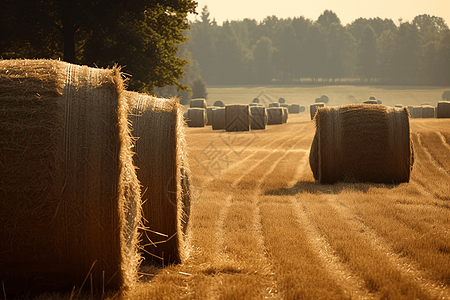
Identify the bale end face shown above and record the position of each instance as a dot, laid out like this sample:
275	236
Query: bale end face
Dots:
196	117
259	117
237	117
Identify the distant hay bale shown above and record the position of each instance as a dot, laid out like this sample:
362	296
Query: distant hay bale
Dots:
446	96
255	100
427	111
398	106
417	112
284	105
254	104
237	117
324	98
198	102
302	108
196	117
361	143
281	100
160	147
443	109
294	108
370	102
313	108
379	101
70	198
372	98
218	118
285	114
275	115
219	103
209	110
259	117
274	104
318	100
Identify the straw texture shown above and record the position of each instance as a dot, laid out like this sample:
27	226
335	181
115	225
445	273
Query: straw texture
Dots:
160	146
362	143
69	195
237	117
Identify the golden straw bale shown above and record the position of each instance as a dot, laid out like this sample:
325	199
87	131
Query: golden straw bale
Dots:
417	112
160	147
196	117
237	117
294	108
198	102
219	103
361	143
285	114
427	111
443	109
274	104
259	117
209	110
69	196
313	108
275	115
218	118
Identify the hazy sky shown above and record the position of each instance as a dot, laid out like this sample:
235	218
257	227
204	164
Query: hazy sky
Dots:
346	10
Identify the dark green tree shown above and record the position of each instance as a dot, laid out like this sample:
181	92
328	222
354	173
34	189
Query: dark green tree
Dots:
327	18
262	60
140	35
316	52
407	54
286	42
199	89
367	54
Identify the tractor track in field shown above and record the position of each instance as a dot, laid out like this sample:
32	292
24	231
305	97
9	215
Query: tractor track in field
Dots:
407	267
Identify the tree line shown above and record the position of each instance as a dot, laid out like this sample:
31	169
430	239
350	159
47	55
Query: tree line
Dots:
298	49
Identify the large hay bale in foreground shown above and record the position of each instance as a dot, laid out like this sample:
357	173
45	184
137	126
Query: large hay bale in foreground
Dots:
427	111
417	112
259	117
274	104
218	118
275	115
443	109
237	117
361	143
160	147
196	117
294	108
198	102
313	108
69	195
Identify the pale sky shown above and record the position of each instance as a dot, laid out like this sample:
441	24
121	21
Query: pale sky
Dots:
346	10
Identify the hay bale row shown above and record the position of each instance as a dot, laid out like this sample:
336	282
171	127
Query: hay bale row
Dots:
361	143
258	117
443	109
209	110
313	108
163	171
274	104
427	111
198	102
219	103
237	117
417	112
69	196
218	118
196	117
275	115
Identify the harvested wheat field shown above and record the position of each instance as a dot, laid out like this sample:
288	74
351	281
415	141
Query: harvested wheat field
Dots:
262	228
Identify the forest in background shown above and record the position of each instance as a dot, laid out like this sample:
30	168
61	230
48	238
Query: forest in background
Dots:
292	51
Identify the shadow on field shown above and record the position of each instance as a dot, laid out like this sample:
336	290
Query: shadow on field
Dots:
316	188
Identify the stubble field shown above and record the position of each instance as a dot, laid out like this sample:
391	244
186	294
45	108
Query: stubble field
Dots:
261	228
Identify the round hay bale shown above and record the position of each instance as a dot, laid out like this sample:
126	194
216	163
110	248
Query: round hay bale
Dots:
255	100
218	118
313	108
254	104
198	102
275	115
443	109
302	108
160	147
294	108
219	103
370	102
209	111
372	98
274	104
196	117
285	114
324	98
318	100
417	112
284	105
259	117
398	106
427	111
446	96
69	196
361	143
281	100
237	117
